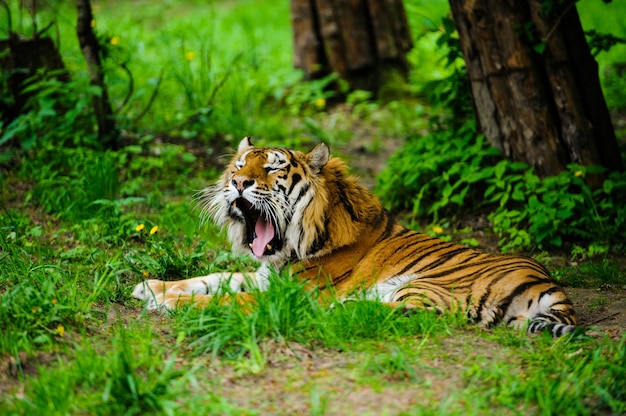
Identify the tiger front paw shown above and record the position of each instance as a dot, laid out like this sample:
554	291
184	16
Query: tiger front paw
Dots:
147	289
153	292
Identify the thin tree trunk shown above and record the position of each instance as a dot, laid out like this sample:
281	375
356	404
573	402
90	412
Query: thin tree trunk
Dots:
531	105
107	132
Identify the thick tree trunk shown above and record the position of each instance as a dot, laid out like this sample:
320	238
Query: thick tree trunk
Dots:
546	109
361	40
585	69
107	132
21	59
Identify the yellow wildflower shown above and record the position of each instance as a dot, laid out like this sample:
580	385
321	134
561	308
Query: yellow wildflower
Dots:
154	229
54	301
93	23
115	40
145	274
190	55
320	103
578	173
139	227
61	330
437	229
35	309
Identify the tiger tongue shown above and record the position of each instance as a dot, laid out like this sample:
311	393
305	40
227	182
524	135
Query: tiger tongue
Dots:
264	233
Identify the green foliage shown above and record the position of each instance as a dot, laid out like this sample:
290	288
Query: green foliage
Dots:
429	23
442	172
560	380
32	313
163	257
602	42
137	383
614	82
77	184
450	93
285	312
606	32
131	378
56	114
360	320
37	300
437	173
306	98
557	209
452	169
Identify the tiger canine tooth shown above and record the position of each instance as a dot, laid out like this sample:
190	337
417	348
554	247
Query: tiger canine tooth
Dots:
268	247
250	245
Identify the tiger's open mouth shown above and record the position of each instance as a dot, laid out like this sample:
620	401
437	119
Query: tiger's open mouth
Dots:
261	234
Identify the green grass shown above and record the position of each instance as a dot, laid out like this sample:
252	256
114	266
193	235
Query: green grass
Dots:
110	357
72	247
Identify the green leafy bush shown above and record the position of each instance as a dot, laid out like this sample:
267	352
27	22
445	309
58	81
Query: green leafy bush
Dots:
56	114
436	174
450	174
556	209
36	300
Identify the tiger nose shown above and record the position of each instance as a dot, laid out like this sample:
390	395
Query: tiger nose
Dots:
242	182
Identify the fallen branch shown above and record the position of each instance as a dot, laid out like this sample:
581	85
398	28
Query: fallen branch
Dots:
606	318
131	87
152	98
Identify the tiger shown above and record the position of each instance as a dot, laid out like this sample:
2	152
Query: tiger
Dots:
306	214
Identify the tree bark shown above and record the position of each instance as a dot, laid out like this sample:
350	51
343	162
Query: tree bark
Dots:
585	69
361	40
22	59
545	109
107	132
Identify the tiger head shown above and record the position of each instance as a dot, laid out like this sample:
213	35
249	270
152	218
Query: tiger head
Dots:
271	200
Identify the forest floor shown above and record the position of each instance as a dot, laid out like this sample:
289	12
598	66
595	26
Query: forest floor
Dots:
301	379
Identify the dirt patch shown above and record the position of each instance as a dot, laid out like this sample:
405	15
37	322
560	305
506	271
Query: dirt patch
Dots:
603	309
325	381
331	382
366	162
12	368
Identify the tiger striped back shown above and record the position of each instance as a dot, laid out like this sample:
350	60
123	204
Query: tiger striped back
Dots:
430	273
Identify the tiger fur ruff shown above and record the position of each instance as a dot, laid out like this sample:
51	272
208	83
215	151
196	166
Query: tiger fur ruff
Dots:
303	211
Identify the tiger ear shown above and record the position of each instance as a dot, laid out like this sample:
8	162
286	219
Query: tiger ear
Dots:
318	157
244	144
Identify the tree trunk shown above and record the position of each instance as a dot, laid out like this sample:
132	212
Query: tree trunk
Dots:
107	132
363	41
545	109
21	59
